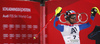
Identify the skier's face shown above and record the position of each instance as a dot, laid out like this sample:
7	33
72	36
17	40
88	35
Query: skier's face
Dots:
73	19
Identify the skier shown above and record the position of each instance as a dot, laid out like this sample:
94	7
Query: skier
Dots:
70	32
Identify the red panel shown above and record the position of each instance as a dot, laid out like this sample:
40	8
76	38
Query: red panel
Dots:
19	22
61	0
15	0
54	36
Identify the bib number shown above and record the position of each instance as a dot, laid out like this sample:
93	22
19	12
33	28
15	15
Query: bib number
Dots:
74	36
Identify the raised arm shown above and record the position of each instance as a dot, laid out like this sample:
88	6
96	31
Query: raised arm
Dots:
93	13
57	14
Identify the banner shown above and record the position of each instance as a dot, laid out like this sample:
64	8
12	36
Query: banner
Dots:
54	35
19	22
